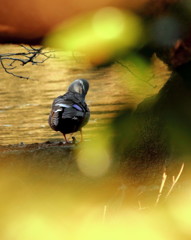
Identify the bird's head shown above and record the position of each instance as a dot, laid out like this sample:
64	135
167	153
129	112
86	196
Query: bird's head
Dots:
80	86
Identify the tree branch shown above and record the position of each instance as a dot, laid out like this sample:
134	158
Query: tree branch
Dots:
31	55
135	75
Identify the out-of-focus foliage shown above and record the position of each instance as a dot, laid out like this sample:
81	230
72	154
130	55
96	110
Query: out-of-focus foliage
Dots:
102	34
94	157
53	208
30	21
138	76
50	207
111	32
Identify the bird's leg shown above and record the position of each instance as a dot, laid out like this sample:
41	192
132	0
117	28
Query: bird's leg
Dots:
65	138
73	138
82	139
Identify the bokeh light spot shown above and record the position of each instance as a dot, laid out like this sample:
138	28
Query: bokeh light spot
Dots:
108	23
101	34
94	157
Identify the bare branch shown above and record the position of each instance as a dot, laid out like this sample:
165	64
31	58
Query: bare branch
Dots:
25	47
135	75
31	55
13	74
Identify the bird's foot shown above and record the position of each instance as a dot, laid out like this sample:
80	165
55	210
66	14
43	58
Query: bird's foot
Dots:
67	142
74	140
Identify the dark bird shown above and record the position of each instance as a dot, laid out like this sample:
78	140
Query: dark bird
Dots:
70	112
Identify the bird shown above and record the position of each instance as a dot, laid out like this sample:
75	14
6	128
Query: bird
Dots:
69	112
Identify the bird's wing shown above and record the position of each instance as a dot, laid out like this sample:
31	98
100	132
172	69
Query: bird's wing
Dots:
80	103
58	107
66	106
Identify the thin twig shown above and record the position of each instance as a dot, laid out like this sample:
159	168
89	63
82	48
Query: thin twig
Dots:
8	60
13	74
164	177
175	180
135	75
25	47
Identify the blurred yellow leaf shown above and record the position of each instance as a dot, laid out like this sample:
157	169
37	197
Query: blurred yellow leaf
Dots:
104	33
94	158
